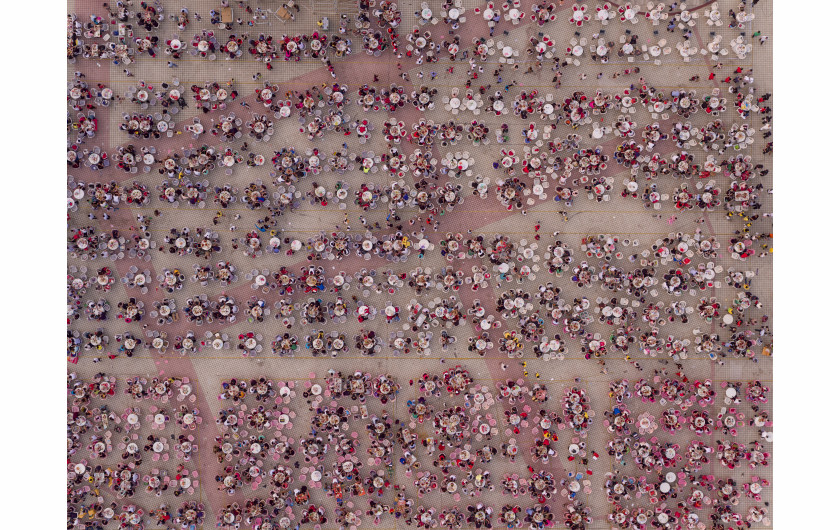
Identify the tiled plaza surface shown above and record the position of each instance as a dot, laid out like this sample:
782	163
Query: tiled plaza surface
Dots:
634	229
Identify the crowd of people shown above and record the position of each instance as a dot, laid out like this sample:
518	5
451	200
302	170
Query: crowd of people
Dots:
182	243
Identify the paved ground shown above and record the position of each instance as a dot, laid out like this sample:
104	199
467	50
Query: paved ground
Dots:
621	218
